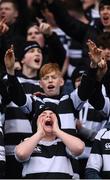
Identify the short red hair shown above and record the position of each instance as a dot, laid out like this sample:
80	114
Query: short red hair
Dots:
48	68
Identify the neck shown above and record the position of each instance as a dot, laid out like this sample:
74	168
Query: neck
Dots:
29	72
49	137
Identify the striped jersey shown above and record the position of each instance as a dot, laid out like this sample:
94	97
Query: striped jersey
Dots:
66	106
100	154
93	120
75	56
2	148
49	160
17	125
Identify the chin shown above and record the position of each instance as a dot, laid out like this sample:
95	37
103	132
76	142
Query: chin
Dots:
48	130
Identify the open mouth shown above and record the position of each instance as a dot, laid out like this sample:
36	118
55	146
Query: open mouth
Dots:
37	60
50	87
106	18
3	16
49	123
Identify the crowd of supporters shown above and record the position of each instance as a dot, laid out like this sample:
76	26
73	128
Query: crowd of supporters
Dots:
54	89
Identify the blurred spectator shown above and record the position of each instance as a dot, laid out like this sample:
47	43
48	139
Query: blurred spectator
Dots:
16	17
4	100
103	42
17	125
98	162
65	40
89	122
53	50
78	30
76	59
91	9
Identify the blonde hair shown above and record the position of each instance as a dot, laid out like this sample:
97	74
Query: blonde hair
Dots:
48	68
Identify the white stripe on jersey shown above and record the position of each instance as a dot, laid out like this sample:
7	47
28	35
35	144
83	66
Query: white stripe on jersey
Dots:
70	70
95	162
30	81
67	121
106	162
106	108
78	103
102	132
75	53
24	80
85	153
17	126
55	101
55	164
2	153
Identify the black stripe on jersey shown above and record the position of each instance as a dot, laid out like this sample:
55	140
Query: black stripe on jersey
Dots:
50	151
15	113
1	139
96	148
66	103
74	164
31	88
49	175
70	131
105	144
95	115
15	138
105	175
2	169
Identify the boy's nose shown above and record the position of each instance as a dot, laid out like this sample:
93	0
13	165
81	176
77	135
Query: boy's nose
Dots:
50	78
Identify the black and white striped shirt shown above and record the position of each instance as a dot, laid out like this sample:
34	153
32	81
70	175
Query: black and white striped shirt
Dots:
100	154
49	160
17	125
65	105
2	148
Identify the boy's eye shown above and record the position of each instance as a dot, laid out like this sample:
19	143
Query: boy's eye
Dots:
45	78
31	50
54	77
39	50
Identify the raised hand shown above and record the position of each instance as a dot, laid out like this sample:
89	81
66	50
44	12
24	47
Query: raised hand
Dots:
40	129
10	60
102	69
98	59
96	54
45	28
55	125
3	26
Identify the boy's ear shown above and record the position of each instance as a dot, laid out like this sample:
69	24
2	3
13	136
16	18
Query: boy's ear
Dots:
22	62
40	82
61	81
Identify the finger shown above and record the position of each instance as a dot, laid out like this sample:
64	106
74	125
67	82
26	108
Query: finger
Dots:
90	55
39	20
12	47
102	64
43	26
4	28
3	20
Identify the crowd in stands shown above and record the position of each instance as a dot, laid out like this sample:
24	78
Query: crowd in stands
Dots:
54	89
